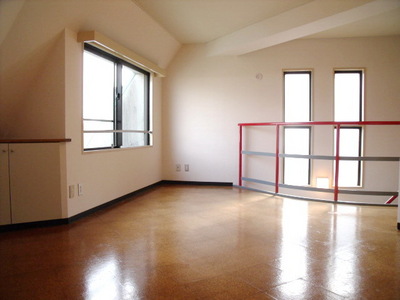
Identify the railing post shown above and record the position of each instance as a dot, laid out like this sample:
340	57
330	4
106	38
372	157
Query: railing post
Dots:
391	199
337	156
240	153
277	161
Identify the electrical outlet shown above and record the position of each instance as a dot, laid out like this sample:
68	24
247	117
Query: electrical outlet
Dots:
178	167
187	168
80	190
71	191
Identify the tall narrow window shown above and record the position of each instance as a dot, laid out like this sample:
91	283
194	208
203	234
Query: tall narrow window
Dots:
297	108
349	107
116	110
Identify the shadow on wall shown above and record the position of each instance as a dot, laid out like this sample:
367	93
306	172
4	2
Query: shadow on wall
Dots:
32	89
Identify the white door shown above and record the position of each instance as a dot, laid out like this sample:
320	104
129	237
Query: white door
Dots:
35	182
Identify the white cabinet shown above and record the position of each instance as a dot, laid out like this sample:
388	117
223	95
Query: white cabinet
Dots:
30	182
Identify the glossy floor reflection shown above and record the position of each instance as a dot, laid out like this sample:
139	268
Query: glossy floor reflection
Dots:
183	242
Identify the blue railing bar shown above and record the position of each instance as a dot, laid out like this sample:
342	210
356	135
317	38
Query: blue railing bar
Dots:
259	153
306	188
324	157
315	189
297	187
368	193
370	158
289	155
312	199
258	181
118	131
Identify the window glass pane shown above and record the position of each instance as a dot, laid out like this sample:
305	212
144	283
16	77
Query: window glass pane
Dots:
349	146
134	106
98	125
347	96
296	170
297	97
134	100
98	140
98	87
348	173
349	141
297	141
135	139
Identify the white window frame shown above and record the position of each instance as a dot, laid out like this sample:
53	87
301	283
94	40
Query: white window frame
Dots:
118	132
358	118
305	119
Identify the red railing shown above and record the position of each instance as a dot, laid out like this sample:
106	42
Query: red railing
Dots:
337	156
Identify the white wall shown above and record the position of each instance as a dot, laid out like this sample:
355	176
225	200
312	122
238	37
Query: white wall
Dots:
105	175
205	97
41	89
196	108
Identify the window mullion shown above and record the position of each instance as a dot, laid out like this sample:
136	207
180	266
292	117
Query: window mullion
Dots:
360	134
118	105
361	116
147	109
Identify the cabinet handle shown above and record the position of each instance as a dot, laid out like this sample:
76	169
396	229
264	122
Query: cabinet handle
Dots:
12	151
4	151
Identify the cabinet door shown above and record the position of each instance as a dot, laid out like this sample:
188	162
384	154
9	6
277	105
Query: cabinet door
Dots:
35	182
5	213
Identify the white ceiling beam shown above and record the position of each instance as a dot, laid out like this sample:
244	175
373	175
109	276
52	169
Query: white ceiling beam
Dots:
281	29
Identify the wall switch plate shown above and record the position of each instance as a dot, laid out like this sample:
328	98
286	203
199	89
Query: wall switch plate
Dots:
71	191
80	190
186	168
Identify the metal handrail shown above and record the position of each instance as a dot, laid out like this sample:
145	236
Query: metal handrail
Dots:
336	158
118	131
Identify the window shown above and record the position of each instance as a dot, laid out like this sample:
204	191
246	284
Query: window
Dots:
349	107
297	170
297	108
116	104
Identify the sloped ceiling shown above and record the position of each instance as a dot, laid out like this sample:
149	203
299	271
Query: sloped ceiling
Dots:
235	27
200	21
7	20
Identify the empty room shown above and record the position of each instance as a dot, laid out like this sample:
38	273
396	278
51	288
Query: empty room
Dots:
199	149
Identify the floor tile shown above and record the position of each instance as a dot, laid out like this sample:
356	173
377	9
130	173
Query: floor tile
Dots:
191	242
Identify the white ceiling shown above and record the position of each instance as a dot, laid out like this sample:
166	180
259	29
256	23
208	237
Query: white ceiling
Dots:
242	26
199	21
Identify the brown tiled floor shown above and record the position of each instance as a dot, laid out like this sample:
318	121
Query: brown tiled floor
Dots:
183	242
